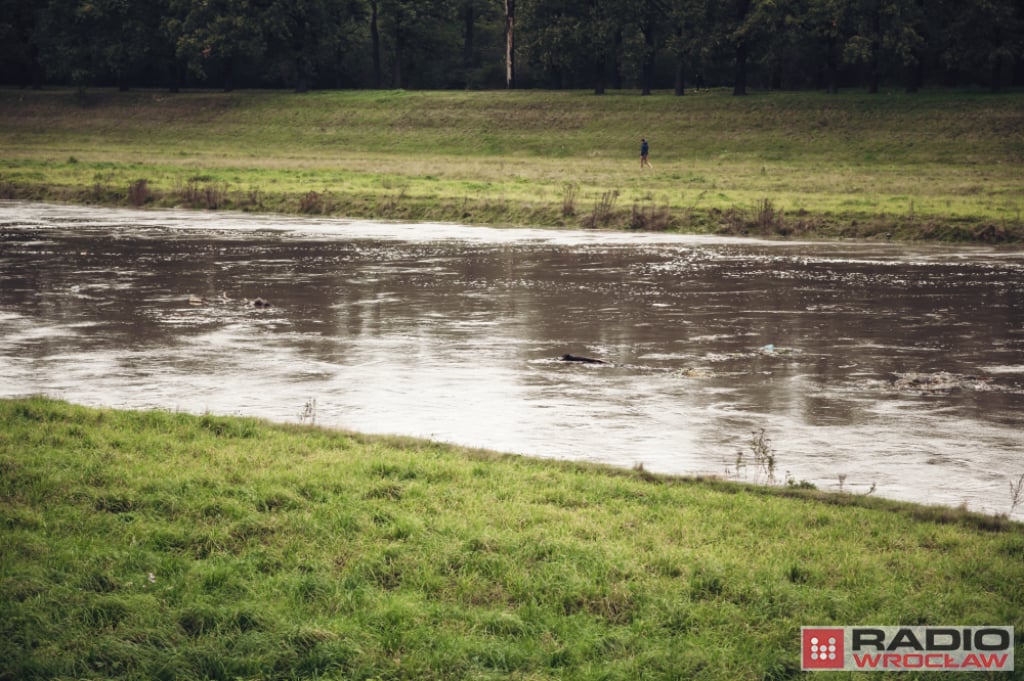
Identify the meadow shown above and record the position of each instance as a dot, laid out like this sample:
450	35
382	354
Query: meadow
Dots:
935	165
161	545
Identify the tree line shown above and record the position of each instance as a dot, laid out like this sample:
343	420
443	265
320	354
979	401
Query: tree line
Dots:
447	44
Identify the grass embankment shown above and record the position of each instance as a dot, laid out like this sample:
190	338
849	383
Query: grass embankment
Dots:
942	165
161	545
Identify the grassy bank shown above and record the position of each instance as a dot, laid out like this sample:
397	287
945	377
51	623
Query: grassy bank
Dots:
161	545
940	165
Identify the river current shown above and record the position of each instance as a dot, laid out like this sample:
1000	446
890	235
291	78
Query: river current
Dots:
886	368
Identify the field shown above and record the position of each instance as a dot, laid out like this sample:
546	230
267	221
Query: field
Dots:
158	545
936	165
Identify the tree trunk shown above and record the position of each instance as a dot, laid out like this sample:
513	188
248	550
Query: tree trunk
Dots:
554	76
874	76
375	45
997	73
301	75
229	74
1017	77
831	66
647	69
396	70
600	70
874	73
680	85
469	29
35	68
740	86
616	71
176	79
510	44
469	24
915	75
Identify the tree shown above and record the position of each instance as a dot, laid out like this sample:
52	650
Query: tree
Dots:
783	43
598	40
420	37
87	41
128	32
690	37
468	33
19	48
557	41
888	32
865	45
375	48
734	25
459	43
172	32
650	18
220	33
828	21
739	38
481	39
909	41
510	44
304	35
982	37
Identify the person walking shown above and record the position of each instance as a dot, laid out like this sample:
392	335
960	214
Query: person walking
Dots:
644	149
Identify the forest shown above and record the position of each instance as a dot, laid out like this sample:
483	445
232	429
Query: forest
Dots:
647	45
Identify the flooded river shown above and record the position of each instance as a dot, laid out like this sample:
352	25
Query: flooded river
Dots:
894	366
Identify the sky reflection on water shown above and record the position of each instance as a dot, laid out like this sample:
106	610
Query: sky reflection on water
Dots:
894	365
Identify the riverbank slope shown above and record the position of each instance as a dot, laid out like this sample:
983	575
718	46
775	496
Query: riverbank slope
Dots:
164	545
935	165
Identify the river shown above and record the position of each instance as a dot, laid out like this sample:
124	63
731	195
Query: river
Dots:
892	369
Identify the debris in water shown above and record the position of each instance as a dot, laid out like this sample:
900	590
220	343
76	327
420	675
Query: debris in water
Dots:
693	372
584	360
940	382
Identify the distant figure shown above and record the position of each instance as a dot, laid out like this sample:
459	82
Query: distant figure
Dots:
644	148
699	81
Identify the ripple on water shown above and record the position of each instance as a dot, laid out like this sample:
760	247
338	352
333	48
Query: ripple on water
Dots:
857	359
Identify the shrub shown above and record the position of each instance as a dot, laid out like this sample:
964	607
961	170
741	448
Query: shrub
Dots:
139	193
311	203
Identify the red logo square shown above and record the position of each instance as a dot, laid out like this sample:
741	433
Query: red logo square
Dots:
821	648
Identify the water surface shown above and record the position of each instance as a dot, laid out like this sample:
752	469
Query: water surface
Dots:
894	366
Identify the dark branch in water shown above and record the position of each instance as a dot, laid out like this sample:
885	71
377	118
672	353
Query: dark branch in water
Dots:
585	360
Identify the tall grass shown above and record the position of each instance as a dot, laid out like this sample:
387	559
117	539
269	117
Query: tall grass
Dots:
848	165
162	545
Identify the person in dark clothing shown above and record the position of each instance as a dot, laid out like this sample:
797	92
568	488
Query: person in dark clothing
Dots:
644	149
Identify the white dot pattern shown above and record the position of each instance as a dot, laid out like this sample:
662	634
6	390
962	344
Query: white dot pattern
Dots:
823	650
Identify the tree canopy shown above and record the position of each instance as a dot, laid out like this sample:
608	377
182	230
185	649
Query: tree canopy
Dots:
447	44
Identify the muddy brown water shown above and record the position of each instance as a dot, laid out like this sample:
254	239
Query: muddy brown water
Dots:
894	366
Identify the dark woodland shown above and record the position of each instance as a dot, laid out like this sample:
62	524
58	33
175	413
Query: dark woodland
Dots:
646	45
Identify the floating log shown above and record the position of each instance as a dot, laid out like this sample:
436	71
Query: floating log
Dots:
585	360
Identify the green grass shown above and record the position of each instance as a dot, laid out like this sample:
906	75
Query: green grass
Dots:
933	165
156	545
